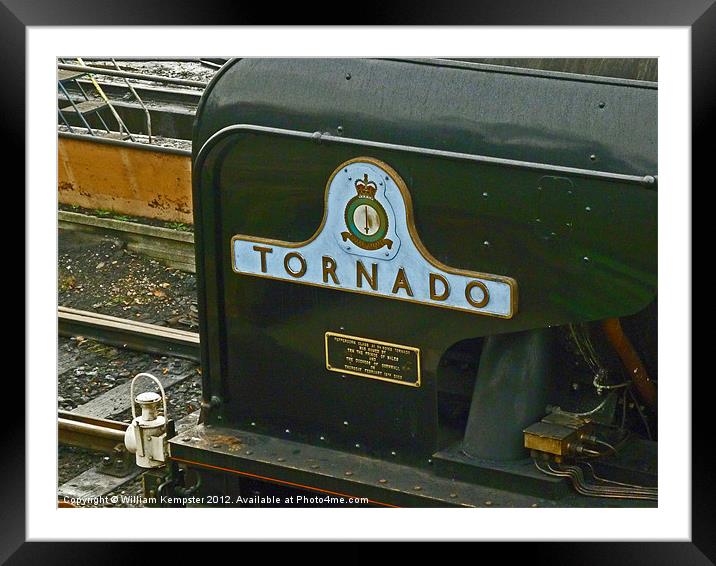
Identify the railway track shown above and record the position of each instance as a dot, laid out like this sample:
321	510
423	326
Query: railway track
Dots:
89	426
128	333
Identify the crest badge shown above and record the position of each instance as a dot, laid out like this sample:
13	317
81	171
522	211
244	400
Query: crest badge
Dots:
367	243
365	218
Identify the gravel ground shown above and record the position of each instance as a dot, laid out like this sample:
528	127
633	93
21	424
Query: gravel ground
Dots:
102	276
192	70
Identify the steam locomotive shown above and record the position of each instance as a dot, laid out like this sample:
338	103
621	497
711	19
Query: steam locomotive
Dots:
424	283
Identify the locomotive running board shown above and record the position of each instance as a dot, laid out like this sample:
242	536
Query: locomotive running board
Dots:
334	472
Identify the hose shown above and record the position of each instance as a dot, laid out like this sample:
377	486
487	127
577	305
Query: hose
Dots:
629	357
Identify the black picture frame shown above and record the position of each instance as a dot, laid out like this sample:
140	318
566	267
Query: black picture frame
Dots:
699	15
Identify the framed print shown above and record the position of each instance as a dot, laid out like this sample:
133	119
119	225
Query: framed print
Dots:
386	265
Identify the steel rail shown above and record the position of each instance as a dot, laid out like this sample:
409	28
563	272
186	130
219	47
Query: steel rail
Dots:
128	333
130	75
91	433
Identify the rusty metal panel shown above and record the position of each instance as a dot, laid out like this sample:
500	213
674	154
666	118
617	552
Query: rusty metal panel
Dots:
138	181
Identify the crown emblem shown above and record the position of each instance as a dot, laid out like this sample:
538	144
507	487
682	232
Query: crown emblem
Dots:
366	219
366	188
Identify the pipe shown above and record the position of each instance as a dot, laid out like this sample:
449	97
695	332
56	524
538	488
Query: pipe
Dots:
511	392
632	362
131	75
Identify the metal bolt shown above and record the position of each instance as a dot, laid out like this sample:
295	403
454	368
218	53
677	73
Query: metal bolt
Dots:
593	157
348	76
602	104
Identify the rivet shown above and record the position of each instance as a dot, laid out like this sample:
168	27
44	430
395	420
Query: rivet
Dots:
586	259
417	488
339	129
345	423
602	104
486	244
453	495
348	76
588	208
357	445
249	452
288	431
281	459
593	157
488	503
382	481
323	437
349	473
253	424
314	466
534	505
392	453
485	195
216	445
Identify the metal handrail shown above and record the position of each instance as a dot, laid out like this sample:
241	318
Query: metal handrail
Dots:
72	102
146	112
98	88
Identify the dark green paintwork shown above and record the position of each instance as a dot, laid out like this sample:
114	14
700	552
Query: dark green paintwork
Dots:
263	339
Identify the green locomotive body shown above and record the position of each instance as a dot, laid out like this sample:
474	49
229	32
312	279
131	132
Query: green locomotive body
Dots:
405	266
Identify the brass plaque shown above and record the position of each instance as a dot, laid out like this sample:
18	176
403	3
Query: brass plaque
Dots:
373	359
